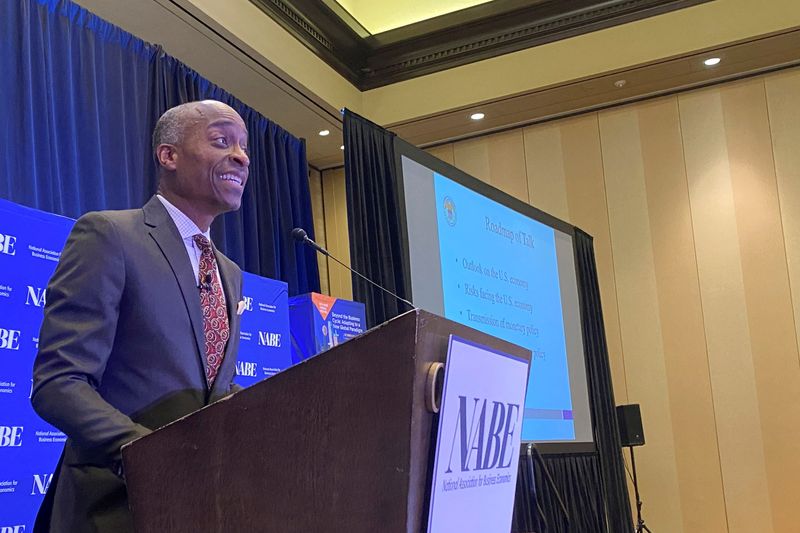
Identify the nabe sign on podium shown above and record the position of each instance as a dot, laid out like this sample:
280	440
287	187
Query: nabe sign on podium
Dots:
480	423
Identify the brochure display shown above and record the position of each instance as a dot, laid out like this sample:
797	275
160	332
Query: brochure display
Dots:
320	322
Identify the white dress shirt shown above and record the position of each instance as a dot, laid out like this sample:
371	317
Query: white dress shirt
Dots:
188	230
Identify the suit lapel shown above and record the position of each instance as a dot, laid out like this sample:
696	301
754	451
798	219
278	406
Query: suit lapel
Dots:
168	239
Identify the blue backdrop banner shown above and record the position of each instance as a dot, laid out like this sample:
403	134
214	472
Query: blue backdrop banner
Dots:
30	246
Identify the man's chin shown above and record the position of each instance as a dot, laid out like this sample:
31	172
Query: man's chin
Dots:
232	205
228	202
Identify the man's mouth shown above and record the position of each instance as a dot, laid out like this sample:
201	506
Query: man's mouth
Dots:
231	177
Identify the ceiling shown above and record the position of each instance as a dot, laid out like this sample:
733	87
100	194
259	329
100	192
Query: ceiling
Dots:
414	39
377	17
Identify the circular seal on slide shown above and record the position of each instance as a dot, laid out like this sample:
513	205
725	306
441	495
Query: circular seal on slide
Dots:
449	210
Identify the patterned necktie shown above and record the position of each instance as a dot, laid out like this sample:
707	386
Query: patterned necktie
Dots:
215	317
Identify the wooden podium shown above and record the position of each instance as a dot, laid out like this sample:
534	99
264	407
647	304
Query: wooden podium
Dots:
342	442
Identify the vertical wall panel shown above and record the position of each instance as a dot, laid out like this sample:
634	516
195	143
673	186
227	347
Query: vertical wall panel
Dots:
544	162
722	292
582	161
767	295
340	282
691	405
640	322
318	208
496	159
443	152
784	117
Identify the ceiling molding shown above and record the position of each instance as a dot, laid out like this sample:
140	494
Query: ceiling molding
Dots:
451	40
670	76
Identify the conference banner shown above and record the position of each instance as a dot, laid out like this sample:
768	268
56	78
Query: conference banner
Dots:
264	346
30	246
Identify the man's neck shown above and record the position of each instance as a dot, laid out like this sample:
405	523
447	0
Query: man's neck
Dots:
202	222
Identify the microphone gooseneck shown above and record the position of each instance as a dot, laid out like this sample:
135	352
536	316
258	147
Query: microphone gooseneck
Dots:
300	235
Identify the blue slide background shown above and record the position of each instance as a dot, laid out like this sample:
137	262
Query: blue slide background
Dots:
500	276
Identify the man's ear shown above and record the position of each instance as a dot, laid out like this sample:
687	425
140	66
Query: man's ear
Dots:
167	155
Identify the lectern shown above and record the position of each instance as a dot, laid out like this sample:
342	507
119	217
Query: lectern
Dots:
340	443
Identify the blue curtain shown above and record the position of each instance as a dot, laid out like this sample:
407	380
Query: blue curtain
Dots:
78	102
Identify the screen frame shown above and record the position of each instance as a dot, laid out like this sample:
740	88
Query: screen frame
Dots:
403	148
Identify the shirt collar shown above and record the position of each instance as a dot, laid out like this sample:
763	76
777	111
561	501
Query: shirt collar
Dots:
186	227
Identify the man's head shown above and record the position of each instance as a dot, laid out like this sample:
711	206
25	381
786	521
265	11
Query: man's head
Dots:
201	151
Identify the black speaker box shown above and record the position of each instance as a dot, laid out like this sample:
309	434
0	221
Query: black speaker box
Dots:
629	418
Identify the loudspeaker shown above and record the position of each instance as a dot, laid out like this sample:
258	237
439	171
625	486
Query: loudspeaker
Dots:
629	418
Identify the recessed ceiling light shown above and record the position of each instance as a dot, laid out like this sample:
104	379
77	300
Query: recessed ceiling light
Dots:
619	84
341	147
711	61
323	133
477	116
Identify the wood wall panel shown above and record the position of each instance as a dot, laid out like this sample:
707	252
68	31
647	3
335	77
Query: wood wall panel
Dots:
586	199
340	282
318	212
544	162
784	117
722	291
443	152
690	401
639	316
767	295
497	159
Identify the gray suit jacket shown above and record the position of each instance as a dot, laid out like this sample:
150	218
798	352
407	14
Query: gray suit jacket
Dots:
121	353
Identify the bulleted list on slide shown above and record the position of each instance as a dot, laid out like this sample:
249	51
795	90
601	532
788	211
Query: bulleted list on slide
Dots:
500	275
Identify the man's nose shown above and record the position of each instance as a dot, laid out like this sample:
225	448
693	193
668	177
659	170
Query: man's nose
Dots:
240	156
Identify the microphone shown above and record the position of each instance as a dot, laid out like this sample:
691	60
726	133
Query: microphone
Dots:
300	235
205	285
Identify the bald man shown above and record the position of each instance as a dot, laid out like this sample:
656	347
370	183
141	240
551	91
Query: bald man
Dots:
140	326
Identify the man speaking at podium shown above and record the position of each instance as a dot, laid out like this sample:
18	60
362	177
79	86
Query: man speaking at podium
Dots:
141	324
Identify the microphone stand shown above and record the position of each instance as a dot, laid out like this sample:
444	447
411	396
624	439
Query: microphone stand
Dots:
640	526
300	235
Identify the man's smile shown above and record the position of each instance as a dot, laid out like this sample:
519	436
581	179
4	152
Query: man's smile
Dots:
231	177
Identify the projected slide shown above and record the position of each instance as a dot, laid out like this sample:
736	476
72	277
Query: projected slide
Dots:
500	275
486	260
